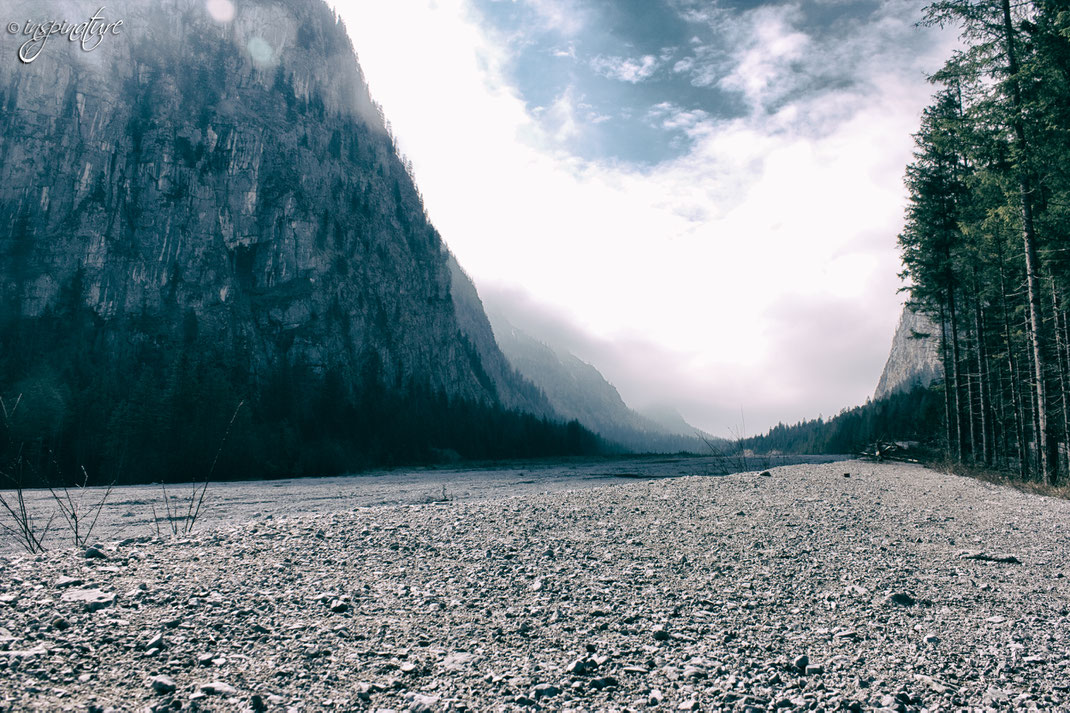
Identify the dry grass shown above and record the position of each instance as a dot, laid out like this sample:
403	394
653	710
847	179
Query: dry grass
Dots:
1002	478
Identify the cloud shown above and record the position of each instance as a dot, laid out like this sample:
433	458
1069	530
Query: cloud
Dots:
564	16
772	56
755	269
626	69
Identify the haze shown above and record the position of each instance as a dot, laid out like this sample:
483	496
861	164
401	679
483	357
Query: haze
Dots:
700	199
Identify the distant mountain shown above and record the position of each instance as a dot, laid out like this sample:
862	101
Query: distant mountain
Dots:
672	421
914	359
509	385
577	390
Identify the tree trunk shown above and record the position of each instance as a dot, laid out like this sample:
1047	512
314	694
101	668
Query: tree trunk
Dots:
1013	372
982	377
1032	266
949	431
1060	327
955	375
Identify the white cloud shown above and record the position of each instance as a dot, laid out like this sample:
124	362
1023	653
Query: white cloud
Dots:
766	64
564	16
756	270
626	69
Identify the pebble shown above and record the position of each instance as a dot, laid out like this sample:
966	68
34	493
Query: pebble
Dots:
443	603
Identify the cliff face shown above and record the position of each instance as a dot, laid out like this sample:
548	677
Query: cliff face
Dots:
912	361
223	174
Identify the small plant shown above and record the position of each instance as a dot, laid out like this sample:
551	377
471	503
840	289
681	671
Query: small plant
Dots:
80	521
20	521
23	525
177	522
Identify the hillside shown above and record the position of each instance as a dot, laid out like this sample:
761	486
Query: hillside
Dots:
209	235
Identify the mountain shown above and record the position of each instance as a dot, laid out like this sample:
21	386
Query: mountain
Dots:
206	215
672	421
914	359
577	390
512	389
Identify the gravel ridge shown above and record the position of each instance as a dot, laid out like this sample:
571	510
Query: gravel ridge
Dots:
896	588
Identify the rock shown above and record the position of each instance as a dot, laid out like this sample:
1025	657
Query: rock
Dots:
163	684
544	690
814	670
846	475
765	474
95	552
216	688
155	642
900	598
660	634
60	624
91	599
457	661
603	682
339	607
66	581
694	672
420	703
800	663
581	666
985	557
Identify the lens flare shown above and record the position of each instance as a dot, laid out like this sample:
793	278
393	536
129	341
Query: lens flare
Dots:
220	10
260	50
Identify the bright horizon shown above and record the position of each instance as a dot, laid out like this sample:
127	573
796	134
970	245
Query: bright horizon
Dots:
701	200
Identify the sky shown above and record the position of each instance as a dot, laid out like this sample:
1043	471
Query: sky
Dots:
700	198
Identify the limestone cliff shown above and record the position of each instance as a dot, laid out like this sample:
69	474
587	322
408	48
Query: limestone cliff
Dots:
221	168
914	359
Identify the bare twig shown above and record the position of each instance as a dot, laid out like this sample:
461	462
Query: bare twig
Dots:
184	523
24	527
74	513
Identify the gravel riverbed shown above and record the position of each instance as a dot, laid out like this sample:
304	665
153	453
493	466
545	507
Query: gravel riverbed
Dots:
895	588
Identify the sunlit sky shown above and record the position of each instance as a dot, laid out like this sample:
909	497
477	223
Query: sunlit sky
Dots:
699	198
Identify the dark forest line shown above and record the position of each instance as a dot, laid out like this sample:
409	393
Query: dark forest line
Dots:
83	398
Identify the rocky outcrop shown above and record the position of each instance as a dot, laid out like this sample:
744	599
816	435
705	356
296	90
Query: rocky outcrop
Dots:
914	359
221	169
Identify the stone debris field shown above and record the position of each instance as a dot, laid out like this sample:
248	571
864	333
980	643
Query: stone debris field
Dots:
841	586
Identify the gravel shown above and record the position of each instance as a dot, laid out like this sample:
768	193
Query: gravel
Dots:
800	590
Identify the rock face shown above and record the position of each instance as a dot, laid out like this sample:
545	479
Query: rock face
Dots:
228	175
914	359
577	390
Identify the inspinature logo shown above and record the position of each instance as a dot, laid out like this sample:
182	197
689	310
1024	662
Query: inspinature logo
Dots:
89	34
